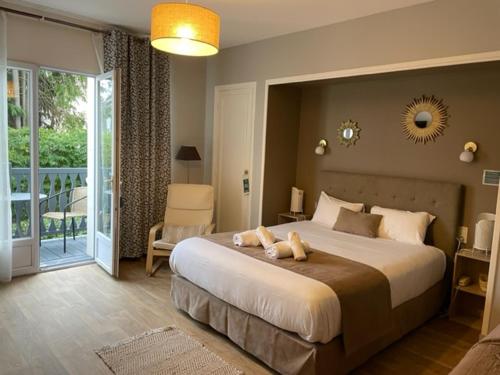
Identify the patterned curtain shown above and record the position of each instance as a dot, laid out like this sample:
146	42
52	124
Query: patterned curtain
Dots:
145	135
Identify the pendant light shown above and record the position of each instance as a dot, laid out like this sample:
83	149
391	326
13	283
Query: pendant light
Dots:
11	92
185	29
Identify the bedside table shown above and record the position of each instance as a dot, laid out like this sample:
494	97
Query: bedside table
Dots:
288	217
467	302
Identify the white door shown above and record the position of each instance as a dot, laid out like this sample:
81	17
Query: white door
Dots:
491	317
23	169
234	114
107	173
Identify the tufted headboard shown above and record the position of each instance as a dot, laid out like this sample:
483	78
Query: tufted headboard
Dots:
442	199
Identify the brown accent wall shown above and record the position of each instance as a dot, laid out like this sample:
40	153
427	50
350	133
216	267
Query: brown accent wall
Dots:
473	96
436	29
281	148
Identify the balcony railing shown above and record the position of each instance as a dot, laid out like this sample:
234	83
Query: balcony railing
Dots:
51	182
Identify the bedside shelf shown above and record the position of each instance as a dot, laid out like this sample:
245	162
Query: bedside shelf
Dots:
288	217
467	302
472	289
474	254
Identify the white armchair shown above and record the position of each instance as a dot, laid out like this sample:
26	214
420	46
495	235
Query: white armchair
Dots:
189	212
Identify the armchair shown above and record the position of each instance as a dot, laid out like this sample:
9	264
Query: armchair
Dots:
189	212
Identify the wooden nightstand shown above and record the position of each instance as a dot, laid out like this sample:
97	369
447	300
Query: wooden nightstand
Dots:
288	217
467	302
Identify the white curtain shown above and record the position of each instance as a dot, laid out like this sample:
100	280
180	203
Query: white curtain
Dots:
5	210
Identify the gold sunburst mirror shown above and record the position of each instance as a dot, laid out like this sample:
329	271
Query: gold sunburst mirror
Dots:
348	133
424	119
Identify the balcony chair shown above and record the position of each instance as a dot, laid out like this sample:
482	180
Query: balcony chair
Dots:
189	213
76	207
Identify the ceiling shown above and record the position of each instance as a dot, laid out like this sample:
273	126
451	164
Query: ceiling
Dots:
243	21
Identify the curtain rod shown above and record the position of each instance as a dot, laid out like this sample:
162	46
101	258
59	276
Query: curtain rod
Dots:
50	19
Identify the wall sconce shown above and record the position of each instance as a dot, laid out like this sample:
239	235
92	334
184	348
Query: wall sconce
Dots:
467	155
321	147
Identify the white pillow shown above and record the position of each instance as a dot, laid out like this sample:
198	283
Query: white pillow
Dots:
328	209
403	226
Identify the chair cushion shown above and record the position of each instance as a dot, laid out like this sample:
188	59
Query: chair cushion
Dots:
162	244
176	233
190	197
189	204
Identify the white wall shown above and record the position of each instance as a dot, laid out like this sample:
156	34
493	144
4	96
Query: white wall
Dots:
438	29
56	46
188	114
47	44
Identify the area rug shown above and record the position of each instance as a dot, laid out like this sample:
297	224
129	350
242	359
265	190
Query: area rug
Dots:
165	350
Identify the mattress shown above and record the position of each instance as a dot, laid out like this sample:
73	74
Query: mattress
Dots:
297	303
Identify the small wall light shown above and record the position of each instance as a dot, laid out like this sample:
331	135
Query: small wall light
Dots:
321	147
467	155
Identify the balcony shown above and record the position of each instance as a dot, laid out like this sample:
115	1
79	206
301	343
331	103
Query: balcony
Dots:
54	187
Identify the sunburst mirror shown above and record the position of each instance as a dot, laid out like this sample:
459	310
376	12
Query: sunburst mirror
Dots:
348	133
424	119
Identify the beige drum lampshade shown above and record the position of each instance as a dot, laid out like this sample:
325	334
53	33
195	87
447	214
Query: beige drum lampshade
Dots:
11	91
185	29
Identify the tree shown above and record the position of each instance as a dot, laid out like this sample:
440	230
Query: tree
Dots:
17	94
62	132
58	96
57	149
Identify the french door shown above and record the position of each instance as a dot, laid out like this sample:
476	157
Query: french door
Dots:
107	171
28	188
23	161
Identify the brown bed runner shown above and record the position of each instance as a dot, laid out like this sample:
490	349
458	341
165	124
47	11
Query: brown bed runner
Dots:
364	292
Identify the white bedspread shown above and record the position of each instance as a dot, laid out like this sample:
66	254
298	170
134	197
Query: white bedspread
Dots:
297	303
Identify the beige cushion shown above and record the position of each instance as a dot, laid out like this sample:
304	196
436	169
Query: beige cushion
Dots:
328	209
358	223
189	213
162	244
190	196
189	204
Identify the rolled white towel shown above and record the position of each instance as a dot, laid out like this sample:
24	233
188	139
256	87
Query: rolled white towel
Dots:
247	238
266	237
298	251
283	249
279	250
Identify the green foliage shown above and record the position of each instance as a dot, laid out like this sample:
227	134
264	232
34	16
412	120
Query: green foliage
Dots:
58	96
14	111
57	149
62	131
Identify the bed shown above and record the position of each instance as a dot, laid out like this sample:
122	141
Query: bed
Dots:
293	321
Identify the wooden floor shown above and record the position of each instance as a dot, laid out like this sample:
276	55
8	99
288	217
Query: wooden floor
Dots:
51	323
52	251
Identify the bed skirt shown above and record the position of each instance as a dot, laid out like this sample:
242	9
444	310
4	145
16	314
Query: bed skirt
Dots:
285	351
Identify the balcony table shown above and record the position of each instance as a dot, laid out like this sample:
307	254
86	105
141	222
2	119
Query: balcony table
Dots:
24	197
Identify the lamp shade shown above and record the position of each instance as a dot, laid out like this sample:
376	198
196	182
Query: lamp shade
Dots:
11	92
185	29
187	153
466	156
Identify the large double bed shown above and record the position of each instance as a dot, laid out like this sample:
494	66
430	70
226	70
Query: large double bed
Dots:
302	318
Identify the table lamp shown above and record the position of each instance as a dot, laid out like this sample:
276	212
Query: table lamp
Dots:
187	153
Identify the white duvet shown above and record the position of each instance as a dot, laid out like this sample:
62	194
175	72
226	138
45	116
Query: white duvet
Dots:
297	303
